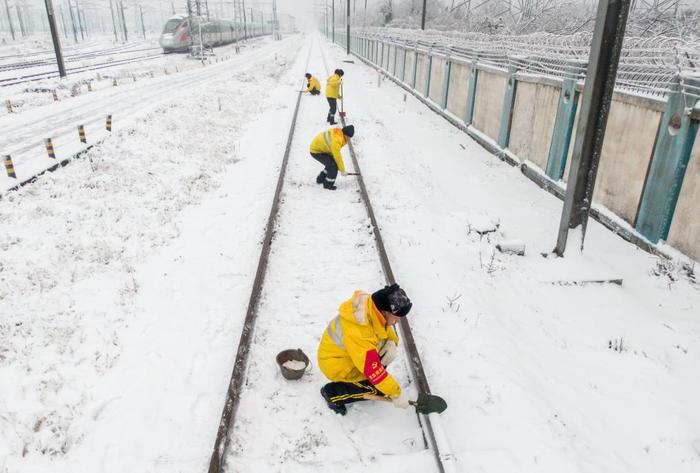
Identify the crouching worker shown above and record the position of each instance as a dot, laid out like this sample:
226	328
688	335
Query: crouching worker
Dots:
313	86
359	344
325	148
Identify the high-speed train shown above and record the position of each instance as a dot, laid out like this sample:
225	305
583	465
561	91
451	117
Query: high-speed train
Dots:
181	31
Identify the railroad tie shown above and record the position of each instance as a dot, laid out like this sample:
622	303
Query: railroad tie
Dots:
9	167
49	148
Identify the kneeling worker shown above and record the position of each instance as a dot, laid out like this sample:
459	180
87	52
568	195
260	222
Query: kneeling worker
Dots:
325	148
313	86
357	346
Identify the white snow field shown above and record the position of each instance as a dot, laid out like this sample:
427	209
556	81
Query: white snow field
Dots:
124	279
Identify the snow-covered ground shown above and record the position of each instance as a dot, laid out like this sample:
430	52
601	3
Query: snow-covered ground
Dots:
124	280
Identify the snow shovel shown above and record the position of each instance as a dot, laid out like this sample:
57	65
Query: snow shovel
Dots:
426	403
342	111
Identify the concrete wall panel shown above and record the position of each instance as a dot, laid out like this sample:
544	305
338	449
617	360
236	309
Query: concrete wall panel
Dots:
392	55
458	90
421	72
627	149
534	114
437	76
685	226
410	60
490	91
399	62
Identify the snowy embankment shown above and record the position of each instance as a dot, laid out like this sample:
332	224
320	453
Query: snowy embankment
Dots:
80	250
540	373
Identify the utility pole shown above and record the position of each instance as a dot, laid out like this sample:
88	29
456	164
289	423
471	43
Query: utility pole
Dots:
63	21
604	58
126	33
422	21
55	38
81	12
80	22
143	27
21	21
114	23
333	21
72	22
347	27
9	20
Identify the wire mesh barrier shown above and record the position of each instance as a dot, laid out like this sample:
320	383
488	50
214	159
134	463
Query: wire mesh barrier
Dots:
649	66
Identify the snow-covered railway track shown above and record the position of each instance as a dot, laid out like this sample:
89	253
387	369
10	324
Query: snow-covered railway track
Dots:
91	67
318	247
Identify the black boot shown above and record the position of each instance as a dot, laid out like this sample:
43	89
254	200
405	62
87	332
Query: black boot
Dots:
329	185
321	177
336	407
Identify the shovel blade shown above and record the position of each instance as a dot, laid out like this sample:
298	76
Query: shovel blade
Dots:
429	403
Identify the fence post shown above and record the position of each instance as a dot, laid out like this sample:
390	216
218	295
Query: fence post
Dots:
446	81
49	148
403	66
428	73
564	122
674	144
508	102
415	66
471	93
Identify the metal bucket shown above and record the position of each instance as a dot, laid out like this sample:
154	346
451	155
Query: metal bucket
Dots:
292	355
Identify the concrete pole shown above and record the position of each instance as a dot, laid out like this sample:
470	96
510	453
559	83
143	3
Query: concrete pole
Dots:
9	20
422	21
126	33
347	28
72	22
604	58
333	21
114	23
54	37
80	22
143	27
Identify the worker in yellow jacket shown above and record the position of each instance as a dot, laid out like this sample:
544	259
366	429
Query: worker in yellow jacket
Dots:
325	148
313	86
333	94
357	346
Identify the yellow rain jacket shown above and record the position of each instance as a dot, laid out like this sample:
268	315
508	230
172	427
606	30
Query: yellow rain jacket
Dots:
349	349
313	84
333	87
330	142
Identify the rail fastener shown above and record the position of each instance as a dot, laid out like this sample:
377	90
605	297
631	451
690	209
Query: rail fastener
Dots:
81	134
8	106
9	167
108	123
49	148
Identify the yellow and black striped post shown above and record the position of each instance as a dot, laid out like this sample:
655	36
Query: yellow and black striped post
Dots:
89	86
108	124
49	148
166	71
133	77
8	106
114	82
81	134
55	96
152	75
99	77
177	69
9	167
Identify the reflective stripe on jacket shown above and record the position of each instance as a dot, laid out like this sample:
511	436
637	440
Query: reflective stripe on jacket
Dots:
333	87
313	84
330	142
349	348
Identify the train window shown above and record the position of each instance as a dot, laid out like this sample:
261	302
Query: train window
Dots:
171	25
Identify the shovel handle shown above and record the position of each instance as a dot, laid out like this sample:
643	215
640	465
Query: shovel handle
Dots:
374	397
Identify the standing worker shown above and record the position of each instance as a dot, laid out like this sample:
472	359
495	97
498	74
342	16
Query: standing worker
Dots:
333	94
359	344
325	148
313	86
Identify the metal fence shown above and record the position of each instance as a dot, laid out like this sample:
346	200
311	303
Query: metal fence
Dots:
648	66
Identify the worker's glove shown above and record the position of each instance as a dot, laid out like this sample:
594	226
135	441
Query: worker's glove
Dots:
343	173
340	98
401	401
388	352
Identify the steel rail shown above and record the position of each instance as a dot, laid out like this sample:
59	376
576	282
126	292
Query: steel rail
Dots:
72	58
233	394
416	364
